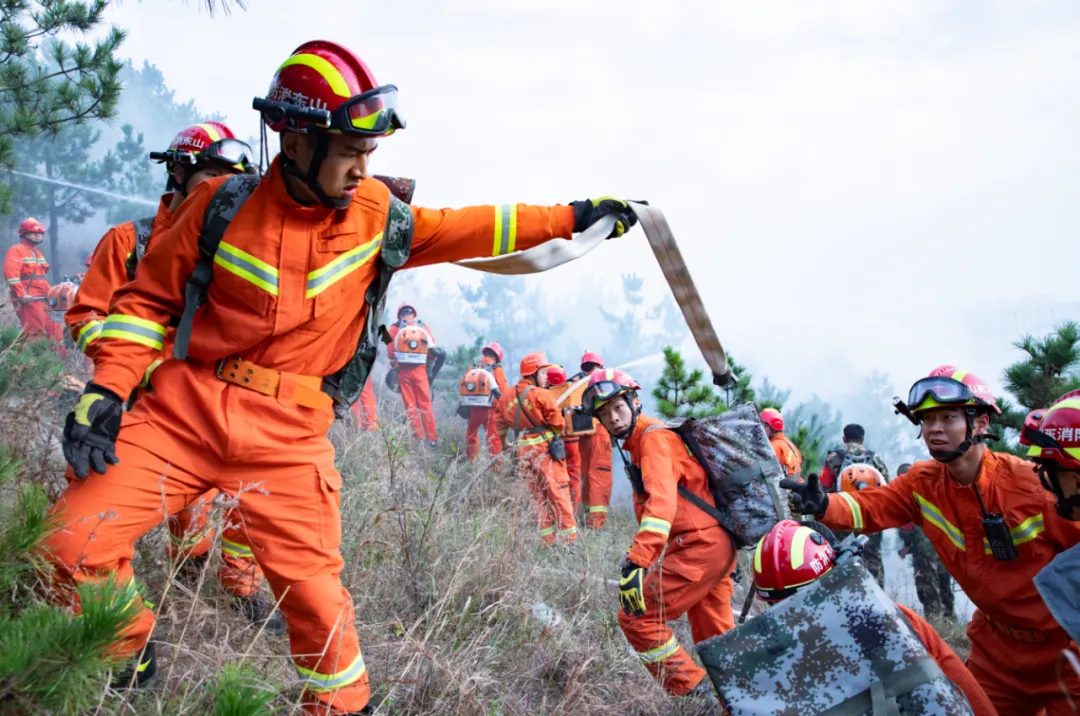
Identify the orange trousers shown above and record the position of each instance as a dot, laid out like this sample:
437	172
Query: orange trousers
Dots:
596	477
364	410
693	579
573	470
416	394
1020	679
481	417
195	433
550	488
36	321
190	535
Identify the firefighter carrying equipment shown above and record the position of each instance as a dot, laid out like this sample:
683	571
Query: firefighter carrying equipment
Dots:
860	477
477	388
412	343
568	397
876	662
90	431
1016	675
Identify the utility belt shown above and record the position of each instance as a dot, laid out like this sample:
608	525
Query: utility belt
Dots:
535	436
304	390
1028	636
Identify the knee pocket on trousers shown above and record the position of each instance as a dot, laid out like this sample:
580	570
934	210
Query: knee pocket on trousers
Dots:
329	507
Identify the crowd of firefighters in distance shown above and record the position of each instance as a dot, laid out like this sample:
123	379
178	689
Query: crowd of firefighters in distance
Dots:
249	405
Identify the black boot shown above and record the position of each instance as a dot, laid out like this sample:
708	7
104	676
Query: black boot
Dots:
261	613
140	673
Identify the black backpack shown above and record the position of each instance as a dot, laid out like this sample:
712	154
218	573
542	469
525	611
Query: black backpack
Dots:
143	228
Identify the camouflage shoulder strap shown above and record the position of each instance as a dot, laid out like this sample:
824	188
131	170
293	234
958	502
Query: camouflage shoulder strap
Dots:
345	385
143	228
880	698
227	200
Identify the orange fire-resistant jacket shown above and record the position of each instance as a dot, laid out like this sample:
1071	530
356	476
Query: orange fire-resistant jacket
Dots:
664	516
500	379
537	415
950	664
289	280
395	328
107	273
949	515
787	453
25	271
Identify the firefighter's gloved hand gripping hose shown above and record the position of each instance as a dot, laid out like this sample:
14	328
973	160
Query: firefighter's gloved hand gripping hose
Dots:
559	251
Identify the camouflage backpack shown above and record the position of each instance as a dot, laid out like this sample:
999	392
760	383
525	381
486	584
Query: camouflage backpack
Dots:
345	385
838	647
143	228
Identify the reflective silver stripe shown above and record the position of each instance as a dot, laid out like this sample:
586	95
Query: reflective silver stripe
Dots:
329	682
664	651
89	333
135	329
321	279
248	267
505	229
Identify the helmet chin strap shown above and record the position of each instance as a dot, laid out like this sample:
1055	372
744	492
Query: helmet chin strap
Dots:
972	439
311	179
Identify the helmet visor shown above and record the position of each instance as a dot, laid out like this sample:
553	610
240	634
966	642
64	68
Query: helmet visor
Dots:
371	114
597	394
938	391
233	152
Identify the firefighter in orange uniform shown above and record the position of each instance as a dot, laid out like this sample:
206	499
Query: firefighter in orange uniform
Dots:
993	527
26	273
245	403
529	410
483	416
792	556
786	452
595	459
557	383
198	153
698	556
410	341
365	410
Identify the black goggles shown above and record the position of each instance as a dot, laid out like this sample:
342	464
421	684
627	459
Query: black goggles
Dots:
945	391
371	114
231	152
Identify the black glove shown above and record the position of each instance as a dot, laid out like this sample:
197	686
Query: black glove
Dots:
588	212
632	590
90	431
807	498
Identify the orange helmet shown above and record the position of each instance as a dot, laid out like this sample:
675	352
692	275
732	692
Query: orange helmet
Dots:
31	226
556	375
789	557
773	418
1053	440
591	357
533	362
858	476
324	88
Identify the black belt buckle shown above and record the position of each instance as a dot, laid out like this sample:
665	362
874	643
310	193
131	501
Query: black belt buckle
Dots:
1000	539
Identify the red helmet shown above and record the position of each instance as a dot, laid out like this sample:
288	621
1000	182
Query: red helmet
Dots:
324	87
31	225
946	386
496	349
1061	424
532	363
856	477
606	384
790	556
405	306
204	144
591	357
556	375
773	418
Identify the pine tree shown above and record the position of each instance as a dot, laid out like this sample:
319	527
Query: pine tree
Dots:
680	393
509	312
47	85
1050	369
128	171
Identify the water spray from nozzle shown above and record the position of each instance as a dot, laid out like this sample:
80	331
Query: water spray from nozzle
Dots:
90	190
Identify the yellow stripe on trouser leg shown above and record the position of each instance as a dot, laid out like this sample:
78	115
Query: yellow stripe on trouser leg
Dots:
235	549
323	683
664	651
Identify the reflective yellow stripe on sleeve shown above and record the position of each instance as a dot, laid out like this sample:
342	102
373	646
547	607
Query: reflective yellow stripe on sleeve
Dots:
655	524
132	328
856	511
88	334
931	514
505	230
323	683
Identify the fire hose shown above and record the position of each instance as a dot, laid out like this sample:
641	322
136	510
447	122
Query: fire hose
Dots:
664	247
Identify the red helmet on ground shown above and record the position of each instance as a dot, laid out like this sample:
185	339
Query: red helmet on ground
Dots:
773	418
556	375
31	225
591	357
858	476
605	385
949	387
533	362
495	349
790	556
323	88
405	306
1061	424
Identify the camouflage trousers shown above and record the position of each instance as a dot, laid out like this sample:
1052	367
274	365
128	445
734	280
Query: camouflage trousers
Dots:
933	583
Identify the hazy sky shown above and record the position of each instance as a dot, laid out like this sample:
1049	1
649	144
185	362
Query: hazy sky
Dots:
853	182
